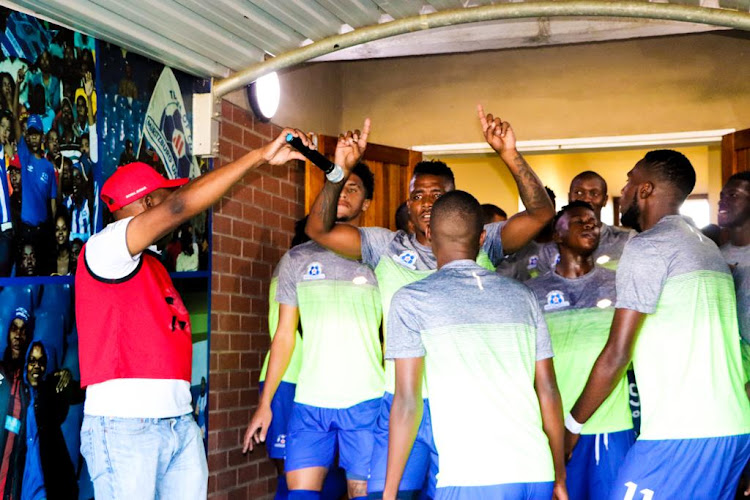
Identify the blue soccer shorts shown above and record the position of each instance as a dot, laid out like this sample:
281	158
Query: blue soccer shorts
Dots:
682	468
420	474
315	433
596	460
281	406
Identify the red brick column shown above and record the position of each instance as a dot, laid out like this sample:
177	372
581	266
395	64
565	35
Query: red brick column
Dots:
252	228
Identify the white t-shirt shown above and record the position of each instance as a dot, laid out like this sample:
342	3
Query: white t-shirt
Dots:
107	256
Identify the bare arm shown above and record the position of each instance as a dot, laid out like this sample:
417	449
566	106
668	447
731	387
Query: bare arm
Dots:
282	349
522	227
550	403
16	118
88	89
609	368
321	223
202	192
406	414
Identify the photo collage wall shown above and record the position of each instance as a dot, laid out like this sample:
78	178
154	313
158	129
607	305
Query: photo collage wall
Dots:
72	111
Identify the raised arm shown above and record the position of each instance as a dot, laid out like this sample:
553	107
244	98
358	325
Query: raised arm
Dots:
282	349
88	89
522	227
550	403
202	192
321	222
20	80
406	414
609	368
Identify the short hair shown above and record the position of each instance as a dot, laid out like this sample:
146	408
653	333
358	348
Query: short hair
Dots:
672	167
740	176
569	207
462	209
489	211
402	217
436	168
61	211
362	171
551	194
590	174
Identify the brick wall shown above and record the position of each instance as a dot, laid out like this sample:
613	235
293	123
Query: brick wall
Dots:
252	228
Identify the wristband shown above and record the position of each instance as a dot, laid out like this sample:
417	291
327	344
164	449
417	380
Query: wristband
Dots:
336	175
572	425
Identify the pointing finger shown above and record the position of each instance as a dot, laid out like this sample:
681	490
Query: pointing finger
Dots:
482	118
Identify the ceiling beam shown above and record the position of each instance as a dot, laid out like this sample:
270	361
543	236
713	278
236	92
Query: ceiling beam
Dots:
575	8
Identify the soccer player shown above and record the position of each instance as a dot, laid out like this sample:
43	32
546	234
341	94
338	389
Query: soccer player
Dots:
283	399
281	404
578	300
493	213
523	264
591	187
340	380
480	342
734	215
676	319
400	258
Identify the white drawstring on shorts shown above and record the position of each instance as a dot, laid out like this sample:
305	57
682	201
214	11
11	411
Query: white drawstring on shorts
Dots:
605	438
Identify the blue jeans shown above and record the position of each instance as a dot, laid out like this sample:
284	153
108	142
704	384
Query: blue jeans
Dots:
145	457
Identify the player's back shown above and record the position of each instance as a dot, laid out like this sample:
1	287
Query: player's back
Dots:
480	334
687	355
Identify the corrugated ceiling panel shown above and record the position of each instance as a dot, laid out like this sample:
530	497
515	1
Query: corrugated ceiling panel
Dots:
399	8
355	13
305	16
244	30
274	34
185	28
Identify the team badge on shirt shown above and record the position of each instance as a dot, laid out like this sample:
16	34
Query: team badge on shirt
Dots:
314	272
533	262
555	300
406	258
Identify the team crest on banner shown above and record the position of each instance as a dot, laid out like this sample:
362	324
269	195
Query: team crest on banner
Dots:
555	300
168	130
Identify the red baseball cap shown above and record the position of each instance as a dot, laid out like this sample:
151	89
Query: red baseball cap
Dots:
132	182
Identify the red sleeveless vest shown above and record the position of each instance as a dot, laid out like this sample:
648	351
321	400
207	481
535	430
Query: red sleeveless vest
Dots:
132	327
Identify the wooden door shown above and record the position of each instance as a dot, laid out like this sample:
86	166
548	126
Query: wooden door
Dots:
392	168
735	154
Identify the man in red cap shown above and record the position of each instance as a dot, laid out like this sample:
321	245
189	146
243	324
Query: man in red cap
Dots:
135	348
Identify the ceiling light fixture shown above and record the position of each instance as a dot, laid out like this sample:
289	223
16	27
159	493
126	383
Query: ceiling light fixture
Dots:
264	95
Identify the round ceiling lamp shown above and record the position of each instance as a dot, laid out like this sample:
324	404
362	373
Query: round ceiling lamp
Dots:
264	95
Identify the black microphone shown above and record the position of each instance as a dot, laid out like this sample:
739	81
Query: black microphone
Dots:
333	172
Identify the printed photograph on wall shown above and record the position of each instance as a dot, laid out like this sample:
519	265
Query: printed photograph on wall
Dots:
48	204
72	111
145	116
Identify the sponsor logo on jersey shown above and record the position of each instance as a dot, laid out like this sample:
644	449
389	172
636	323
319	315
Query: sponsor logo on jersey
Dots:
604	303
406	258
555	300
314	272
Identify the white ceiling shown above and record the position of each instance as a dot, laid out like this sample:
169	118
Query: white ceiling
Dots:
220	37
